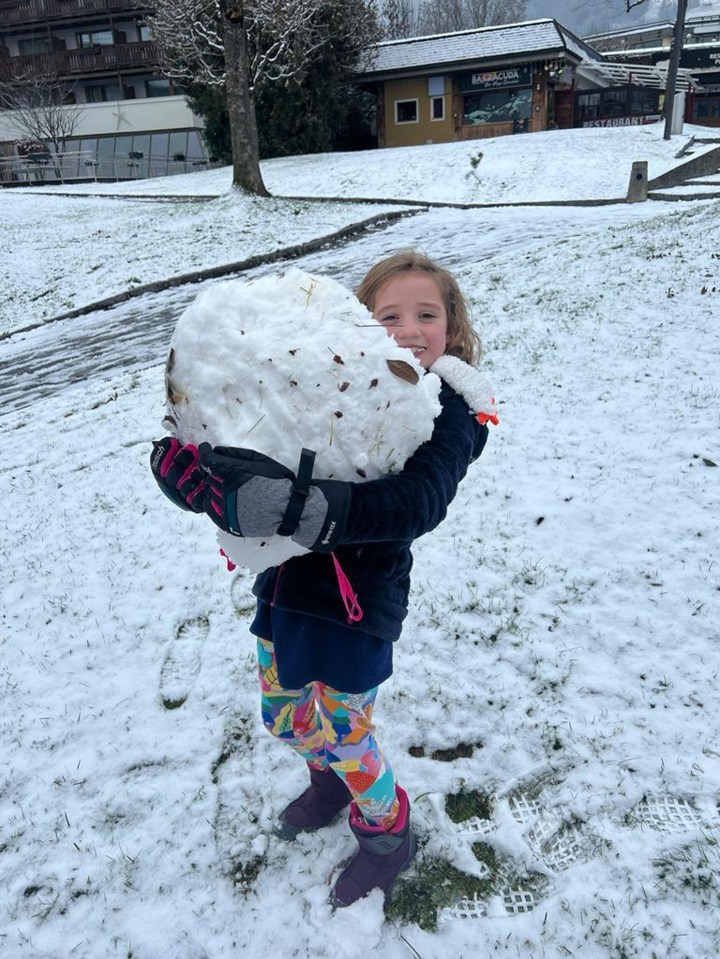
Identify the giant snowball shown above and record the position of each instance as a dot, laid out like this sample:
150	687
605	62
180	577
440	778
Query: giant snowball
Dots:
291	361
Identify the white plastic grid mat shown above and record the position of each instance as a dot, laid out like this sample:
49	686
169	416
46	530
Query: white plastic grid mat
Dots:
560	844
666	814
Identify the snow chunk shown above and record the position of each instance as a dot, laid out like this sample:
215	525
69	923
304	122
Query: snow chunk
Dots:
290	361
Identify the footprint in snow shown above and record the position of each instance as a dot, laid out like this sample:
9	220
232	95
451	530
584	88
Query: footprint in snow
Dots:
182	662
554	840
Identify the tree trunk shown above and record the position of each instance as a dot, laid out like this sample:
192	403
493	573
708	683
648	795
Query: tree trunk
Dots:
675	54
241	107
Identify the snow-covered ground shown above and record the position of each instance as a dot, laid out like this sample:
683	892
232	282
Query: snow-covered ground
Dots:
556	165
64	253
557	676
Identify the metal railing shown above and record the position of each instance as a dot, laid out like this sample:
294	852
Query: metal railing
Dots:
84	165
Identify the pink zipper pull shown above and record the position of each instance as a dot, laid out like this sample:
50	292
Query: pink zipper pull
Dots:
355	613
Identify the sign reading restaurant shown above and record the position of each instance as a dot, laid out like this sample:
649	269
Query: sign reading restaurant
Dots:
622	121
496	79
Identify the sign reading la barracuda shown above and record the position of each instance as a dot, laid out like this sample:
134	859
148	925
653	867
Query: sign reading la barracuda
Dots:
494	79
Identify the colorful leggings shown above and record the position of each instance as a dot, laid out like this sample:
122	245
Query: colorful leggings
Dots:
330	728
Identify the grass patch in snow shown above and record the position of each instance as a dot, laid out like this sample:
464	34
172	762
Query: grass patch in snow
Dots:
467	805
437	884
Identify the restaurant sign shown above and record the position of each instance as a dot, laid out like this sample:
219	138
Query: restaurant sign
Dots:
622	121
496	79
698	59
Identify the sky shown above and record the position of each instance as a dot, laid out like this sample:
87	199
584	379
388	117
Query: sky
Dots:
554	708
595	16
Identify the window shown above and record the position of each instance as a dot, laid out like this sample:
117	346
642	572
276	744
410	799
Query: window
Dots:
141	144
159	146
615	103
159	87
588	105
145	33
497	106
437	108
102	93
95	38
643	100
707	108
406	111
177	147
636	101
123	145
702	34
195	147
34	45
141	155
105	146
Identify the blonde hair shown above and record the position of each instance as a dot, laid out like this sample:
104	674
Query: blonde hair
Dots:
463	341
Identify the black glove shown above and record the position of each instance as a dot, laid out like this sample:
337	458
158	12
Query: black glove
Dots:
250	494
177	471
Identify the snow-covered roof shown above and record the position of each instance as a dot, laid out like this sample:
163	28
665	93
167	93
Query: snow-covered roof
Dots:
531	40
696	24
656	26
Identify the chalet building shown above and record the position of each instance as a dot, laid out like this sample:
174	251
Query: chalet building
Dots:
131	121
650	44
513	78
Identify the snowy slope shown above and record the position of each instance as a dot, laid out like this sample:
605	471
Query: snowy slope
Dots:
559	665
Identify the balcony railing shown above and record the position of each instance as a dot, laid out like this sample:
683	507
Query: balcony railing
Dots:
33	11
64	63
77	166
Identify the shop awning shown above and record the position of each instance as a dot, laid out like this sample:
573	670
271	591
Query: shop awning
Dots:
636	74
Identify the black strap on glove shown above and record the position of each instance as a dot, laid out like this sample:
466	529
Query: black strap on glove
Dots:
298	497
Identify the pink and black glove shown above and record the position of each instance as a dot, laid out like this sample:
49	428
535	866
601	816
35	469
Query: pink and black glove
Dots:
250	494
178	473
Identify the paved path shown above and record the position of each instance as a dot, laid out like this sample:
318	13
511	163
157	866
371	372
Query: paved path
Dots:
135	335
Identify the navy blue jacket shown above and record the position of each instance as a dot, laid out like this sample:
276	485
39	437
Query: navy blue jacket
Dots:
385	516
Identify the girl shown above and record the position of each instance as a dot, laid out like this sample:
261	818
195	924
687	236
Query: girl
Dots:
323	652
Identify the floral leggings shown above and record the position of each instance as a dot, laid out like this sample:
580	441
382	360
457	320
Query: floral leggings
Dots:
330	728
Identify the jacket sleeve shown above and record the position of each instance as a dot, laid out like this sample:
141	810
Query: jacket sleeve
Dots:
415	500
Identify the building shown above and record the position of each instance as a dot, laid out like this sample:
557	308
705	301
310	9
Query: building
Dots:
513	78
99	58
651	44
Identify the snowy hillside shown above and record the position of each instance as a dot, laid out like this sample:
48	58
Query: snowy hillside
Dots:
64	252
553	713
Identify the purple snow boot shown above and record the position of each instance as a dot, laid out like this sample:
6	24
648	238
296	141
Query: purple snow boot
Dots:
324	798
381	858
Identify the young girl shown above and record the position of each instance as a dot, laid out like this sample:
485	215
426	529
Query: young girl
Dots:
322	659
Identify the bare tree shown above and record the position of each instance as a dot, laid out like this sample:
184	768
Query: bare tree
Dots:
448	16
40	111
398	19
660	10
233	43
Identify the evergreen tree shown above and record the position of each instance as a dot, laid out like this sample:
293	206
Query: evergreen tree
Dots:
210	104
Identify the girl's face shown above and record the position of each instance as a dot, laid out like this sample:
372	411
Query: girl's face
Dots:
411	308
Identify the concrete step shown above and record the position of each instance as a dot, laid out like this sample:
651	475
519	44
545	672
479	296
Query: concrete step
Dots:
678	194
